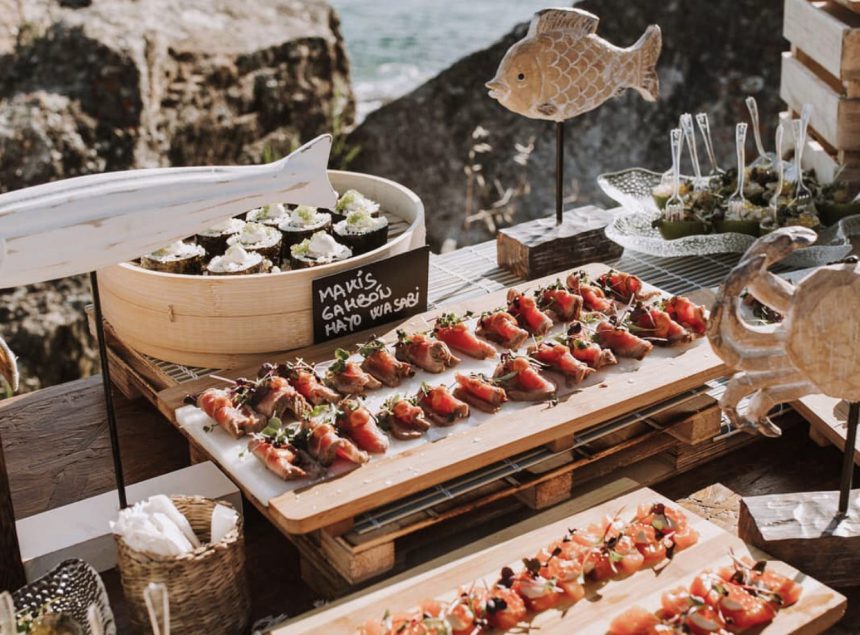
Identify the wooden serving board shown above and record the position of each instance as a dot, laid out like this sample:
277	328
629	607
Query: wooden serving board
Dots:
610	393
819	606
828	418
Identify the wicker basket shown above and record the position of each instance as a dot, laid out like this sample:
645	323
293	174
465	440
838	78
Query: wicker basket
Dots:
207	587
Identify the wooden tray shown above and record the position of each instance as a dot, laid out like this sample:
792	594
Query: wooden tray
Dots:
819	607
393	477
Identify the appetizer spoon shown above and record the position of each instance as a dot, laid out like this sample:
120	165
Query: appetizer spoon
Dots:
705	127
737	203
773	204
674	208
690	136
802	196
764	159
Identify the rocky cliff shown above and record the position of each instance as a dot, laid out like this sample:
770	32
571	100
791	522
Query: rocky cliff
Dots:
713	56
94	85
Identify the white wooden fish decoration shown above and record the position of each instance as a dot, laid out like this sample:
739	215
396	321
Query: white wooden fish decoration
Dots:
562	68
86	223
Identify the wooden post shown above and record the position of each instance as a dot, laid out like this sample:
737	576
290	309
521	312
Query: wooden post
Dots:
559	172
11	567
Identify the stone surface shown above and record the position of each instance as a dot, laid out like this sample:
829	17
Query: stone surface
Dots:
116	84
712	58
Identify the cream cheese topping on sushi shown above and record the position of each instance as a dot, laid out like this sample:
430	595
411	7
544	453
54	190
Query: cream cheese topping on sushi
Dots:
321	247
304	216
255	235
234	259
360	222
270	214
354	201
179	250
229	226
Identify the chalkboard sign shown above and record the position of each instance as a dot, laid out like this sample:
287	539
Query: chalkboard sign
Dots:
370	295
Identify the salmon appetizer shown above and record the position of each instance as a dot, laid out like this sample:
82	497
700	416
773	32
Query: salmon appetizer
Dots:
522	381
593	297
452	330
689	315
559	303
621	341
274	395
504	608
586	351
502	328
279	458
347	377
440	406
403	418
656	326
308	384
625	287
479	392
432	355
384	366
558	357
528	315
357	423
325	445
229	412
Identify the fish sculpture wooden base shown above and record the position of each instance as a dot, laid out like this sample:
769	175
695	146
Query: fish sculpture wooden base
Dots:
86	223
559	70
562	68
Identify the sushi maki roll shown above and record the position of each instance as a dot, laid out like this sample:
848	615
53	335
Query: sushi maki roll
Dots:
353	201
178	257
262	239
362	232
319	249
273	214
214	239
301	223
237	261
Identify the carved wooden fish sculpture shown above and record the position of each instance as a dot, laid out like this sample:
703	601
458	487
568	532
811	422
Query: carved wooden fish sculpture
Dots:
86	223
562	69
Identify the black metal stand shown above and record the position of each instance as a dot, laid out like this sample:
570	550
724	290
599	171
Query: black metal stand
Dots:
106	384
848	457
559	172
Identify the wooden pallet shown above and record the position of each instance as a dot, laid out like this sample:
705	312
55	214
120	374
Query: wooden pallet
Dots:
818	609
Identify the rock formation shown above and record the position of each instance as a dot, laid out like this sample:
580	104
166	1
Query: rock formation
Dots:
115	84
713	56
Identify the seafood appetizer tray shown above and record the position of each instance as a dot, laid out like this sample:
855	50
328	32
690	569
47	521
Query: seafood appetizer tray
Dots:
246	283
445	393
634	565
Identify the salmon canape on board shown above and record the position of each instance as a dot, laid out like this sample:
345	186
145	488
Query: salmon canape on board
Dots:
687	313
357	423
347	377
230	410
306	381
274	396
585	350
440	406
655	325
593	297
558	357
479	392
501	327
624	287
403	418
621	341
427	353
559	303
383	365
528	315
325	445
453	330
274	447
521	380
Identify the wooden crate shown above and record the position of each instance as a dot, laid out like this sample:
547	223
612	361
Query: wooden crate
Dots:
827	163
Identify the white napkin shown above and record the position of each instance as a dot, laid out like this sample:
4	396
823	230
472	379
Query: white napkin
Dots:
224	519
156	527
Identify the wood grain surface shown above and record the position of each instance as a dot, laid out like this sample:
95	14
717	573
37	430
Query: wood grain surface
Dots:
391	478
818	608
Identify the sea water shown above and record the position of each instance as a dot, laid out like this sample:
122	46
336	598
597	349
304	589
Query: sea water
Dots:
396	45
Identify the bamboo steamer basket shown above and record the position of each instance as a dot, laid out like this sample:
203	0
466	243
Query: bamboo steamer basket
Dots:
208	587
231	321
